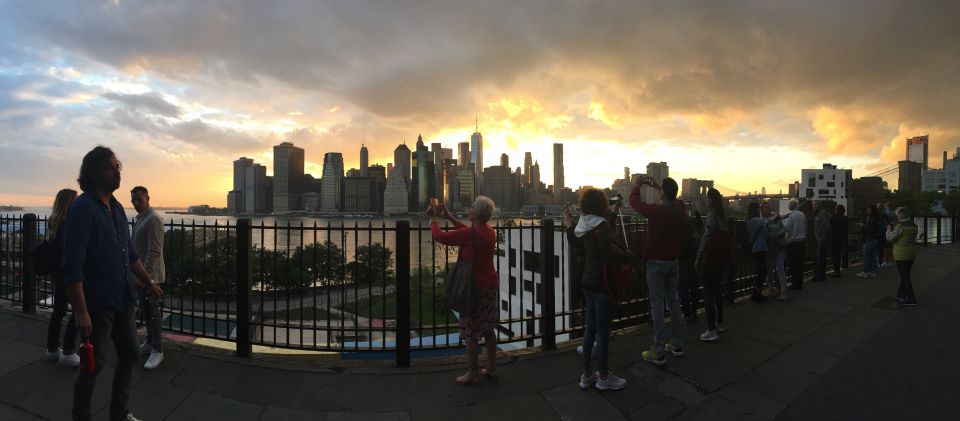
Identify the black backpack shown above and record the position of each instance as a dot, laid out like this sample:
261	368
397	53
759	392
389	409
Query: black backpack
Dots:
46	257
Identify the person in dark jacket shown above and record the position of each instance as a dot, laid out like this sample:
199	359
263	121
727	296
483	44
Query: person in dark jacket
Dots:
712	266
689	289
822	233
68	355
838	240
593	235
872	233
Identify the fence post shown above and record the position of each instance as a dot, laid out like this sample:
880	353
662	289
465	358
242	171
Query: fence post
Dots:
403	293
244	246
28	291
939	232
731	275
547	283
926	232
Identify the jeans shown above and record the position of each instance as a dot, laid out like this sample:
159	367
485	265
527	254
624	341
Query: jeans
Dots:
820	266
689	290
662	280
838	255
905	291
597	329
152	318
713	301
120	327
777	272
760	258
796	252
60	301
871	250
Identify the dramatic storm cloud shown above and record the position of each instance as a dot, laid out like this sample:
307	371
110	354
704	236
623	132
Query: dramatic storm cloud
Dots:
698	84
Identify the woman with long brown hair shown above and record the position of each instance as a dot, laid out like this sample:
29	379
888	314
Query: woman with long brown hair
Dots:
67	355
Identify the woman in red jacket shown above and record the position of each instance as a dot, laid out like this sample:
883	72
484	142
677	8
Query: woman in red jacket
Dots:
479	325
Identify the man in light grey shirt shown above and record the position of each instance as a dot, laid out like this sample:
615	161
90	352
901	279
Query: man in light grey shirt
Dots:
796	226
148	242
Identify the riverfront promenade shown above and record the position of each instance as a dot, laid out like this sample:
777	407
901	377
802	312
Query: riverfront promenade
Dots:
835	350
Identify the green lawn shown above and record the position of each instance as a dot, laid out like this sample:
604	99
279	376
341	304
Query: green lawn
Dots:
424	311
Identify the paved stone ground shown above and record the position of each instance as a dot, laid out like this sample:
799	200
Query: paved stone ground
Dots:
829	352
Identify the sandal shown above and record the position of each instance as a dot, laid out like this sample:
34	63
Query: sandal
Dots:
492	375
466	380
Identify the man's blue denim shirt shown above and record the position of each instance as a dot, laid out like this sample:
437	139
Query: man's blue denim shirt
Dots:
97	250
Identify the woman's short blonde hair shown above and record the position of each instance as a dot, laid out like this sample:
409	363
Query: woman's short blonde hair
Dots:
484	207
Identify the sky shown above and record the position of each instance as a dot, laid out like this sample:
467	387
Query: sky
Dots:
746	93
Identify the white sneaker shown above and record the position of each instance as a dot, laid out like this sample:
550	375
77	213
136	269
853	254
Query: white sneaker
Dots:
587	381
130	417
154	360
612	382
145	348
872	275
710	336
862	275
721	327
52	355
69	360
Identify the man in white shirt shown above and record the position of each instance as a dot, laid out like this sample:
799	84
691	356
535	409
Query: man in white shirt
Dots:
148	242
796	226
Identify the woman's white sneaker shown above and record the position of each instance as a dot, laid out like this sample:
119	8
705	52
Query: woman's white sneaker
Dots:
710	336
154	360
612	382
70	360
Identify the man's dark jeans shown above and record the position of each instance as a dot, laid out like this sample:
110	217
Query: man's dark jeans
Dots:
838	255
153	319
120	327
796	252
820	264
60	301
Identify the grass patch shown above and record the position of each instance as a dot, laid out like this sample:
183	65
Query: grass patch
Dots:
425	309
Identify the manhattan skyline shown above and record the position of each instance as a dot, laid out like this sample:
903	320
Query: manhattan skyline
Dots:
180	90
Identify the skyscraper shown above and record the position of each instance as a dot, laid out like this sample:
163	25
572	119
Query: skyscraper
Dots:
504	160
527	166
401	162
364	160
558	182
463	154
918	150
331	185
255	192
239	184
396	195
423	185
476	151
658	171
287	177
501	186
535	174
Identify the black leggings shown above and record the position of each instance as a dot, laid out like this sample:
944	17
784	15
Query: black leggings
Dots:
761	277
60	301
713	300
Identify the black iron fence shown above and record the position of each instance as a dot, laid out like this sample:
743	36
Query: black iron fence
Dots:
370	289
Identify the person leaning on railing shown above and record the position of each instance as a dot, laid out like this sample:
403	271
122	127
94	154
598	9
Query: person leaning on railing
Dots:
68	355
481	324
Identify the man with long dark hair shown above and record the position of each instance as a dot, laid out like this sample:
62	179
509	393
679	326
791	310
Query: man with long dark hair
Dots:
98	258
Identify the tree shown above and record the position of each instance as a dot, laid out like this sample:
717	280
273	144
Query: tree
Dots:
372	264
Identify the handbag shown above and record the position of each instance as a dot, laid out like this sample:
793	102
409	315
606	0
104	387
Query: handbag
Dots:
462	294
618	272
46	257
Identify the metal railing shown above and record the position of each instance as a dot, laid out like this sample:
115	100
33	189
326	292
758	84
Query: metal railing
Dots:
367	289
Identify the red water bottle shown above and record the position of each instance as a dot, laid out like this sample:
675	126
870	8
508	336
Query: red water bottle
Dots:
87	363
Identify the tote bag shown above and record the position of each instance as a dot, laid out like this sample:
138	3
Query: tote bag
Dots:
461	294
